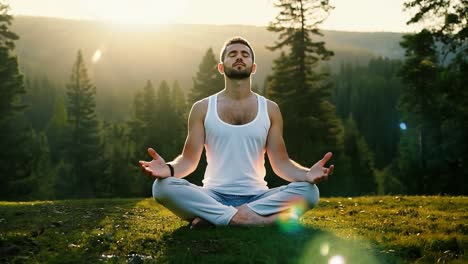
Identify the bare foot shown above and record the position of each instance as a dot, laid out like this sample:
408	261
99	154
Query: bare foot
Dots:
200	223
245	216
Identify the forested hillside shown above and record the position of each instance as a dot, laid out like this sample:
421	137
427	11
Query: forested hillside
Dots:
82	102
132	55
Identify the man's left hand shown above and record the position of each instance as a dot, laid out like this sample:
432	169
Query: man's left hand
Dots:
319	172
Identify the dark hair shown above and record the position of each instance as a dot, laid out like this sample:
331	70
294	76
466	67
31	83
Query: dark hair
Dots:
236	40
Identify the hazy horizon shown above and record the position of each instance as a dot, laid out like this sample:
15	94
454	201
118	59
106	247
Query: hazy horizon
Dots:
356	16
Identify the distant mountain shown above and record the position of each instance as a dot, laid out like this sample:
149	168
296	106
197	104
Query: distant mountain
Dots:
130	56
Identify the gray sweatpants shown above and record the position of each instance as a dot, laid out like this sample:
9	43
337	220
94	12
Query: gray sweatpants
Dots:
188	200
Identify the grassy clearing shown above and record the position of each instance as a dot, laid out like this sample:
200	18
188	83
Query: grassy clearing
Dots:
359	230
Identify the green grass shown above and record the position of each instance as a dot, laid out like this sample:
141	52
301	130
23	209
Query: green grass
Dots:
408	229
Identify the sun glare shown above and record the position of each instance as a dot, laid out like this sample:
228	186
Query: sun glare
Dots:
144	12
324	249
337	260
97	56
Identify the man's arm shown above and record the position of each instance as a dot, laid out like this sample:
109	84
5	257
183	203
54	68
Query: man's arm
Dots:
187	162
282	165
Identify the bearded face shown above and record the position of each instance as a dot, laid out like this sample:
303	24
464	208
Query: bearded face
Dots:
237	71
238	63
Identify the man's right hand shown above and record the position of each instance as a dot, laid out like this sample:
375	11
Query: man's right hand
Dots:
157	167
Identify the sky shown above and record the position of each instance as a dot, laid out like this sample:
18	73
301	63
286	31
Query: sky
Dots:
355	15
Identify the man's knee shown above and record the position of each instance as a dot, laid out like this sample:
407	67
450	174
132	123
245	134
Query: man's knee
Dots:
163	188
309	191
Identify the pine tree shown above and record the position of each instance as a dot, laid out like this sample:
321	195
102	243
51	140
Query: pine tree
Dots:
84	147
150	117
446	20
148	107
40	97
158	122
44	174
437	58
144	121
11	79
15	134
361	178
120	175
421	103
208	80
370	93
169	123
178	99
56	130
141	130
302	91
181	110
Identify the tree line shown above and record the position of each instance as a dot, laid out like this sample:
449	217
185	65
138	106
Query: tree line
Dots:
54	145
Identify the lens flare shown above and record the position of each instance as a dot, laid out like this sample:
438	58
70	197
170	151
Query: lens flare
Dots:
97	56
337	260
403	126
324	249
288	221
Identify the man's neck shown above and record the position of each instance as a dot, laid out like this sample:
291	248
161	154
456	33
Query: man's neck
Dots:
237	89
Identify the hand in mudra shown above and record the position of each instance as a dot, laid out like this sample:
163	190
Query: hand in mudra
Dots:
319	172
155	168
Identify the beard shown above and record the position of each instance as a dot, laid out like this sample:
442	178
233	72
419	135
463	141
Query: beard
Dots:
232	73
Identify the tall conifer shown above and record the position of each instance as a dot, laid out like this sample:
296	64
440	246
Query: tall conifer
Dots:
298	86
208	80
15	135
84	146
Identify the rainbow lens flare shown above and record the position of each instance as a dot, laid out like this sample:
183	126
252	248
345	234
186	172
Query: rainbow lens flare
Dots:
288	221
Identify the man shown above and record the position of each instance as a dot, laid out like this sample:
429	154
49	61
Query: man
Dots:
236	126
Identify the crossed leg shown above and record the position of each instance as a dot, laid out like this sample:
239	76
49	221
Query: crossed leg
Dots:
244	216
193	203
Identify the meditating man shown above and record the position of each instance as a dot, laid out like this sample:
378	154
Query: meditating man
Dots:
236	126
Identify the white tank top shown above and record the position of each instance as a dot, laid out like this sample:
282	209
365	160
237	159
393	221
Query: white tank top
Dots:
236	153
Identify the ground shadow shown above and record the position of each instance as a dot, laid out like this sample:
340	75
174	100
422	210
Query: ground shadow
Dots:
68	231
277	244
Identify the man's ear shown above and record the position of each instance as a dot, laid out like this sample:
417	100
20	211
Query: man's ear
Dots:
254	68
221	68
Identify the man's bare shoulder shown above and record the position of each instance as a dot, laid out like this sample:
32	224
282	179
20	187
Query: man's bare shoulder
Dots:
273	109
272	104
199	109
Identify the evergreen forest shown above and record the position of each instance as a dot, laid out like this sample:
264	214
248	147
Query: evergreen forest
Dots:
392	110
